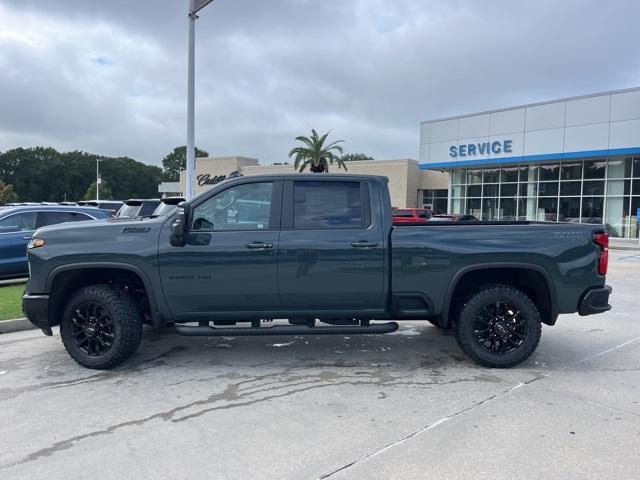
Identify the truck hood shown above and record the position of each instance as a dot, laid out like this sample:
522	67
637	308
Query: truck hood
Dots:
104	229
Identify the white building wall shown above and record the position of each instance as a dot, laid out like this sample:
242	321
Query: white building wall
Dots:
596	124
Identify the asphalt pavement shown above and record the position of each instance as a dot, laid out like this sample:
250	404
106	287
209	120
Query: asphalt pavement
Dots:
406	405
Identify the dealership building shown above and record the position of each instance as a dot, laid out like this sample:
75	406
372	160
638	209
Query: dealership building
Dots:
409	184
575	159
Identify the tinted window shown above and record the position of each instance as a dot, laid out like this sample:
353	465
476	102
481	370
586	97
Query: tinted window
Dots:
148	207
53	218
18	222
318	205
244	207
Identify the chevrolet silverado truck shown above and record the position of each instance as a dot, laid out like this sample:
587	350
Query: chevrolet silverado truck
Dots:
320	254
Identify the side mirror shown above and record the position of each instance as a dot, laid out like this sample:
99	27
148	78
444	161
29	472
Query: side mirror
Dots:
180	225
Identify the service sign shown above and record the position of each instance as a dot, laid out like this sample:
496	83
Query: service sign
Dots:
471	150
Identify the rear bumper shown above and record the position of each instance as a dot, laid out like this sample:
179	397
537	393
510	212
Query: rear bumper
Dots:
36	308
595	300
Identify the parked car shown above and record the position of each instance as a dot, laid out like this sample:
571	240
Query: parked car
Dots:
18	223
411	215
138	207
309	248
167	206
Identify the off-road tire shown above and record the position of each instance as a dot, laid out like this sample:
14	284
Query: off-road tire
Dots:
465	325
126	326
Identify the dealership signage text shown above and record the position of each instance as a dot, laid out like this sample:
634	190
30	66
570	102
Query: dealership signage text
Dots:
207	179
482	148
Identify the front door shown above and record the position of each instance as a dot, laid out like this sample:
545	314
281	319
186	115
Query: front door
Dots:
229	263
331	255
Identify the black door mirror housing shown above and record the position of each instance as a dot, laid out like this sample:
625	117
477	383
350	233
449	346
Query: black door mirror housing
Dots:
180	225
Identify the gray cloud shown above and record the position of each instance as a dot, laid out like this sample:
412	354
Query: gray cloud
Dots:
110	77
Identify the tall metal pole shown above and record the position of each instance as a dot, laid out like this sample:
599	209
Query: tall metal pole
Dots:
97	179
191	154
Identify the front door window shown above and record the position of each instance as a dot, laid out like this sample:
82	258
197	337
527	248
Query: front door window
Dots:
244	207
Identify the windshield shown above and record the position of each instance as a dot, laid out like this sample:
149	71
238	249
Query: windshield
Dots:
164	209
129	211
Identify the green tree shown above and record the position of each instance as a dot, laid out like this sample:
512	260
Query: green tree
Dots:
355	157
7	195
176	161
315	154
44	174
105	191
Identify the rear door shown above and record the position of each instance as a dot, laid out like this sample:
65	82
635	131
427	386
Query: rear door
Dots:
15	232
331	255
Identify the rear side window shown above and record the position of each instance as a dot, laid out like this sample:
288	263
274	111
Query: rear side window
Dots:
327	205
53	218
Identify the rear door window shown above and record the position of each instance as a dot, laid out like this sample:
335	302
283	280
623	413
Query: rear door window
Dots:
327	205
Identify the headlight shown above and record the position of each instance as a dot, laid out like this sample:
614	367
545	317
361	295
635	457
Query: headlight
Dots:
35	243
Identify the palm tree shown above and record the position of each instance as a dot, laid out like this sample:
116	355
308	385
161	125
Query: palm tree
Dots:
315	154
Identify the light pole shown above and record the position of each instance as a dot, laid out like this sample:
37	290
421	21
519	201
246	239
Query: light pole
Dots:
98	178
194	7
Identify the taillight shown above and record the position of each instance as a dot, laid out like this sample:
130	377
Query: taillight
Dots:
602	240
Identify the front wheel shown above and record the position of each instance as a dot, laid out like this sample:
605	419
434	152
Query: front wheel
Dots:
101	327
498	326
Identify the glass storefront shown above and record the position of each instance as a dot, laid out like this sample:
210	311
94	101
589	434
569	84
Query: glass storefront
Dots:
435	200
605	191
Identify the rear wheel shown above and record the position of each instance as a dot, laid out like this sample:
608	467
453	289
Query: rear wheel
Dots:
498	326
101	326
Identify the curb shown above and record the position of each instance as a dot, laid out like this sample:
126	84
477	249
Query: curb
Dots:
16	325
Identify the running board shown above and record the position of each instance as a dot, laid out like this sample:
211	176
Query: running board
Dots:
199	331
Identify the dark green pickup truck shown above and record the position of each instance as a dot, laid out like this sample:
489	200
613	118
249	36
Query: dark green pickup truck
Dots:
320	251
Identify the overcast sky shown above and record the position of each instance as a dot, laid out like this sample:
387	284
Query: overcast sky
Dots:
109	76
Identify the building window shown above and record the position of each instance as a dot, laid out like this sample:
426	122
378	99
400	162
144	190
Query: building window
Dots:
604	191
436	200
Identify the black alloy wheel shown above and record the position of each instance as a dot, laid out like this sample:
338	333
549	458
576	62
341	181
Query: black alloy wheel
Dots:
101	326
93	329
498	326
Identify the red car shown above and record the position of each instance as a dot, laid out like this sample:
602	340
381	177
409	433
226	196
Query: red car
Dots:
411	215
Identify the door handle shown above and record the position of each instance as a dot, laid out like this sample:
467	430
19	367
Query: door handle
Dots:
258	245
28	237
364	244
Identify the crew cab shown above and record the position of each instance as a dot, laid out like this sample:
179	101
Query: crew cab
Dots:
320	250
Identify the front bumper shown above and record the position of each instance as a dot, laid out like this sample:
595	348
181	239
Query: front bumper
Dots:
36	308
595	300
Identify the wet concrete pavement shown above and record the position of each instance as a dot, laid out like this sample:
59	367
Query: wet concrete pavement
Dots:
404	405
